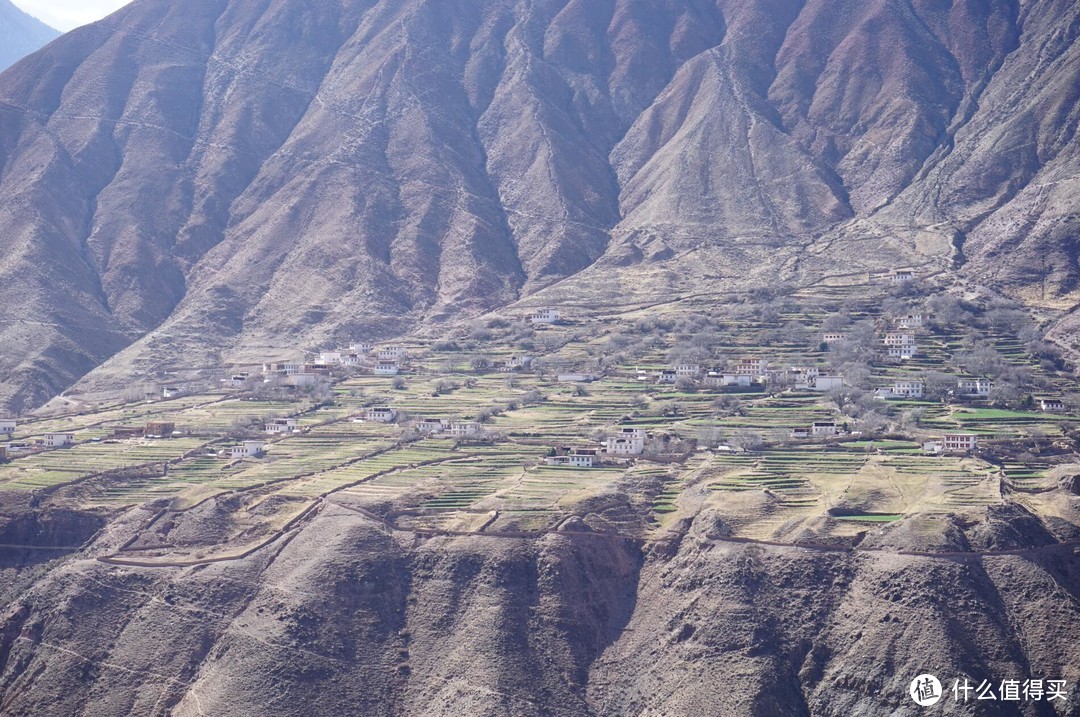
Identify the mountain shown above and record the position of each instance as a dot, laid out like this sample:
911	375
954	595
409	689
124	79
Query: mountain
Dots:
20	34
190	184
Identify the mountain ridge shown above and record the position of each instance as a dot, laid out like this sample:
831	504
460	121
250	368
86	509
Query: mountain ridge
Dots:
20	34
401	164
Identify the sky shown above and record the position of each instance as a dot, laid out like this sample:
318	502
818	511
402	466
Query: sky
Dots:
68	14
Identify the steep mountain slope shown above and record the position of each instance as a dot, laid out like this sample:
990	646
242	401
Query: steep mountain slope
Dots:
20	34
185	183
343	618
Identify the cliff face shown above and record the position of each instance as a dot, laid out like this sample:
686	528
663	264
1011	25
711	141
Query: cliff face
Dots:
183	181
341	617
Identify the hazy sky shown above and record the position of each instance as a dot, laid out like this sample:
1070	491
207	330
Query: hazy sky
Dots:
67	14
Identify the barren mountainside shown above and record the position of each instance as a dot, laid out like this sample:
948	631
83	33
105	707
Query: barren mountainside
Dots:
185	180
347	618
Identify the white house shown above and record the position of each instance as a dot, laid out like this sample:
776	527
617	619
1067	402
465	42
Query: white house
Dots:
329	357
800	433
359	347
573	460
667	375
431	425
58	440
728	379
959	443
690	370
576	377
465	429
7	426
387	368
753	367
1051	404
170	392
823	428
301	379
391	353
980	387
248	449
281	425
381	414
833	337
903	389
828	383
901	353
520	361
911	321
901	276
628	442
899	338
545	316
350	359
237	380
286	367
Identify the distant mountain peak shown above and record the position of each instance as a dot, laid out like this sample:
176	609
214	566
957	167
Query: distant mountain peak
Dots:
20	34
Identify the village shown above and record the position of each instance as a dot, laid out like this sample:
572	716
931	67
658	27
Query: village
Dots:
497	417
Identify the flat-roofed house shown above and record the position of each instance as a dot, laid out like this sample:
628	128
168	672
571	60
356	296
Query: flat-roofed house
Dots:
387	368
360	347
572	460
8	426
899	338
58	440
903	389
980	387
828	383
247	449
391	353
237	380
959	443
687	370
465	429
911	321
627	442
576	377
1051	404
432	425
901	276
715	379
281	425
519	362
753	367
823	428
160	429
832	337
545	316
329	357
667	375
301	379
283	367
381	414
